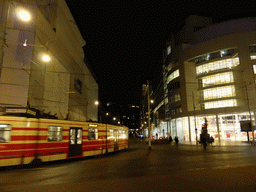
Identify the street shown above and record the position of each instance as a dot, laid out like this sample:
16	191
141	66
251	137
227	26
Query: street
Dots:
166	167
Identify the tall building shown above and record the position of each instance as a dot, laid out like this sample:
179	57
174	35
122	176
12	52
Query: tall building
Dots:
209	72
42	65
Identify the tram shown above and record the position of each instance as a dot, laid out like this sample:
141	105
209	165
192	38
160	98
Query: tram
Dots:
24	140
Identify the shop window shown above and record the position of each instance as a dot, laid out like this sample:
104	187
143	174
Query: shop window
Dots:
92	134
5	133
54	133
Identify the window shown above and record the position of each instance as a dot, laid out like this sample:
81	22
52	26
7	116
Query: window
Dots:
219	92
177	97
173	75
215	55
5	133
169	49
79	136
218	79
54	133
92	134
254	69
253	57
78	85
217	65
221	104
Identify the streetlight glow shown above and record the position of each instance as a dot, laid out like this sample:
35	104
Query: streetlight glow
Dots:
24	15
114	118
46	58
96	102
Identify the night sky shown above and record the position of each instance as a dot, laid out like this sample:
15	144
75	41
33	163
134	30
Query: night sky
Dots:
125	39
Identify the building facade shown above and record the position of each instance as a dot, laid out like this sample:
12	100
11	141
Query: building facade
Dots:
42	63
209	73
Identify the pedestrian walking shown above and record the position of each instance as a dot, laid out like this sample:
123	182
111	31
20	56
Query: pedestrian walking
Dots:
176	140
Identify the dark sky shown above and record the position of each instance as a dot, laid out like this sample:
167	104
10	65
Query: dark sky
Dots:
125	39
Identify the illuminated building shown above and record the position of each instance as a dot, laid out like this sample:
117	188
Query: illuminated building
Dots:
209	71
42	63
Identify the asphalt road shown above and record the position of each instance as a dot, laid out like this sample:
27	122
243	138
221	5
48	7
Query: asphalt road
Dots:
163	168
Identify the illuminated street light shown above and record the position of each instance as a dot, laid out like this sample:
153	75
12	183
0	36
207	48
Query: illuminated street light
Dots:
107	113
152	101
96	103
25	43
24	15
46	58
114	118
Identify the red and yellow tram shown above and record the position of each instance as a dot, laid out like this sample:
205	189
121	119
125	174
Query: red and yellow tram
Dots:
23	140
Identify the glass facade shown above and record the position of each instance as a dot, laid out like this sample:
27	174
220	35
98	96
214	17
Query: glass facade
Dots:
228	128
173	75
219	92
220	104
217	65
220	78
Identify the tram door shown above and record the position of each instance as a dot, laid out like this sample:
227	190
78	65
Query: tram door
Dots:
116	140
75	141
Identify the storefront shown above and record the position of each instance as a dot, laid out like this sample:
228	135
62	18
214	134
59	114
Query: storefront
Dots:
225	127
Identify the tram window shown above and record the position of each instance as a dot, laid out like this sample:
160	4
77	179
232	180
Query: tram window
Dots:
79	136
54	133
111	133
72	135
5	133
92	134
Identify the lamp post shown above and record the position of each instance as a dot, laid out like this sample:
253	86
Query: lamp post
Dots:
194	115
149	127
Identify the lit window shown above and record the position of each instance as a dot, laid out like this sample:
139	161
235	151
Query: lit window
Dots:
92	134
5	133
219	92
254	69
173	75
111	132
218	79
169	49
54	133
79	136
223	53
253	57
221	104
217	65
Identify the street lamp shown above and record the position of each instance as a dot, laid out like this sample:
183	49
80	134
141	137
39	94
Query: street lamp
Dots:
23	14
149	127
46	58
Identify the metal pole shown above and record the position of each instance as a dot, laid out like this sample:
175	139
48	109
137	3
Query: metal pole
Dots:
149	127
249	113
5	14
194	115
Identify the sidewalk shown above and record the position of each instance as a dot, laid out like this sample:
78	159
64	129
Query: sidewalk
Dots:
222	143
